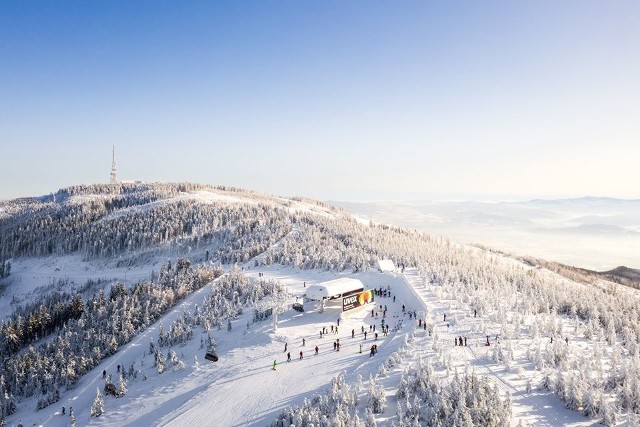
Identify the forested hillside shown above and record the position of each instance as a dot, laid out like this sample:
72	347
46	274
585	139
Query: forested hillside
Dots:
49	345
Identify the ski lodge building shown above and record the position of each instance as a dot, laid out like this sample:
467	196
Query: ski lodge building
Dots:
334	289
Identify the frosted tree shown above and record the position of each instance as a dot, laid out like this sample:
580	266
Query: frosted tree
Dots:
122	386
376	396
592	402
609	414
159	362
369	419
575	393
175	361
97	407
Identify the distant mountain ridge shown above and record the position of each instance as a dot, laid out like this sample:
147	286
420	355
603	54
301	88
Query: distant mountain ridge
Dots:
622	275
589	199
597	233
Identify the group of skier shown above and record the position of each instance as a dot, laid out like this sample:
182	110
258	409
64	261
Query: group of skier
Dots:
377	312
336	343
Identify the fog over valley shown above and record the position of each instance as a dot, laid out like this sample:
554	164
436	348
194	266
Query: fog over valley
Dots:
590	232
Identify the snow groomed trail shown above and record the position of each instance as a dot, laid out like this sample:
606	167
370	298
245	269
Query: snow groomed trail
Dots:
252	393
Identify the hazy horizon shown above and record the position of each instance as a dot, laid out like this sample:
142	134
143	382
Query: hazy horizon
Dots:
594	233
387	197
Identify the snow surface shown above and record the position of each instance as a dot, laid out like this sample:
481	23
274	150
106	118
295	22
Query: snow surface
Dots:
241	389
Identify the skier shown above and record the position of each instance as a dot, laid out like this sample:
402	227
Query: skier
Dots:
289	357
303	342
63	410
285	347
353	333
360	347
335	344
445	317
362	329
338	321
300	354
316	350
274	364
104	374
394	298
365	335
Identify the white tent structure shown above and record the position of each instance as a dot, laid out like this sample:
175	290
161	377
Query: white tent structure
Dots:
333	289
385	265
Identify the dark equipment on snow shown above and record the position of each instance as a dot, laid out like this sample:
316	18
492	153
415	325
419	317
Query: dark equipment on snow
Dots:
298	307
212	356
110	389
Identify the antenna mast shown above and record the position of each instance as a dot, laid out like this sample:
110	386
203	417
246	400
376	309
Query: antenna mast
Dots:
114	176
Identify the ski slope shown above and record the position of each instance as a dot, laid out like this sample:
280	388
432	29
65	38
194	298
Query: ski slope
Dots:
242	389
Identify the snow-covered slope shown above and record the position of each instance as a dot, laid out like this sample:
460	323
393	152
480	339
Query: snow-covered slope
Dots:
549	350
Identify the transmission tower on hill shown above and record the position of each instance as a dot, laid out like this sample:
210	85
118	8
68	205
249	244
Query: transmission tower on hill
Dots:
114	174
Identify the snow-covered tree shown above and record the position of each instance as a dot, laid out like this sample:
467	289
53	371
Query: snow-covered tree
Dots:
97	407
376	398
122	386
159	362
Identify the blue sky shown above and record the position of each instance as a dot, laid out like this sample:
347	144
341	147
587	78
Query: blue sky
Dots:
331	100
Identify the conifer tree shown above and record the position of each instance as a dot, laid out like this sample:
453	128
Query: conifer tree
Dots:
97	407
122	386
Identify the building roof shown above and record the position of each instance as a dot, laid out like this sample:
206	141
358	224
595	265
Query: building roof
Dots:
333	287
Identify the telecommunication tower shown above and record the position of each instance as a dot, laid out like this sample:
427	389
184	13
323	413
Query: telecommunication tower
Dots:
114	175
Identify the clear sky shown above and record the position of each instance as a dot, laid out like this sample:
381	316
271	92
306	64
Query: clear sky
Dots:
326	99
